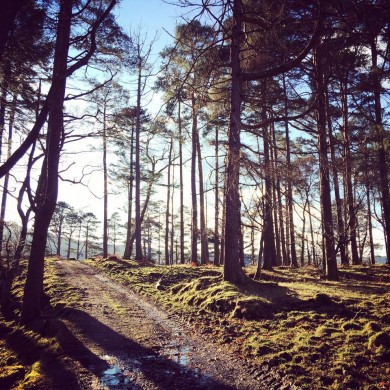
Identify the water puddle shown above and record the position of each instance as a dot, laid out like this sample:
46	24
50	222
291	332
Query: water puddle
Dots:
114	377
118	375
179	354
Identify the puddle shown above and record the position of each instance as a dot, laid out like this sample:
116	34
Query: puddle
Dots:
114	377
117	376
180	355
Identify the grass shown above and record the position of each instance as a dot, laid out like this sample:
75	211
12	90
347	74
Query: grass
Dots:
28	355
319	333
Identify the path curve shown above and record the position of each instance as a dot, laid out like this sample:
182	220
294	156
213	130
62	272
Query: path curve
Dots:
121	341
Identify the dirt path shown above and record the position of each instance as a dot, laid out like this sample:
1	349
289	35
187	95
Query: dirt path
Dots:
117	340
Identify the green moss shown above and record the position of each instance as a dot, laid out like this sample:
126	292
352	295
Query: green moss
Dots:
324	330
355	337
10	374
252	309
290	320
379	341
371	327
34	377
350	325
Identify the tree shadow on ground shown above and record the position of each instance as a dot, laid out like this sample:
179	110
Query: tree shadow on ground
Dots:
161	371
278	295
28	348
285	299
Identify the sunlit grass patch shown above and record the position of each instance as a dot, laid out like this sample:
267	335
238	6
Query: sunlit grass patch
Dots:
33	377
315	331
115	306
24	352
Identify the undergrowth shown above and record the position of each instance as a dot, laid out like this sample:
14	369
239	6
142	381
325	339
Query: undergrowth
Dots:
29	355
319	334
330	335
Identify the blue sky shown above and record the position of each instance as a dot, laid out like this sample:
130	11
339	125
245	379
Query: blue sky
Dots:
152	16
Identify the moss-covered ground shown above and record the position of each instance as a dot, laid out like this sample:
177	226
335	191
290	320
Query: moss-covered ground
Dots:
31	358
329	335
321	334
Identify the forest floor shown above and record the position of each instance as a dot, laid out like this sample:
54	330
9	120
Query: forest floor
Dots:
108	327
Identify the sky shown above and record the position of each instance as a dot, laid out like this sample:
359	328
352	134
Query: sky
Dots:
151	16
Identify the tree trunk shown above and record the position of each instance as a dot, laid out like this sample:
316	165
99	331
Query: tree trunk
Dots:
182	257
232	270
194	235
303	234
259	261
86	241
289	195
69	247
204	244
369	214
145	205
313	249
138	222
6	178
59	235
326	203
6	70
78	243
24	218
168	204
128	246
339	202
46	195
348	175
381	135
172	211
223	224
268	231
216	214
105	187
275	181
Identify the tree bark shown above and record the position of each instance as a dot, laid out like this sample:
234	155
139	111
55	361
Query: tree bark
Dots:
194	235
369	214
223	224
172	232
86	241
326	202
274	175
339	203
232	269
167	262
182	257
216	213
259	260
268	231
46	196
6	178
289	194
105	187
348	175
138	222
381	135
128	246
204	244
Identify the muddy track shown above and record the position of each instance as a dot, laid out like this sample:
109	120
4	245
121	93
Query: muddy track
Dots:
118	340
